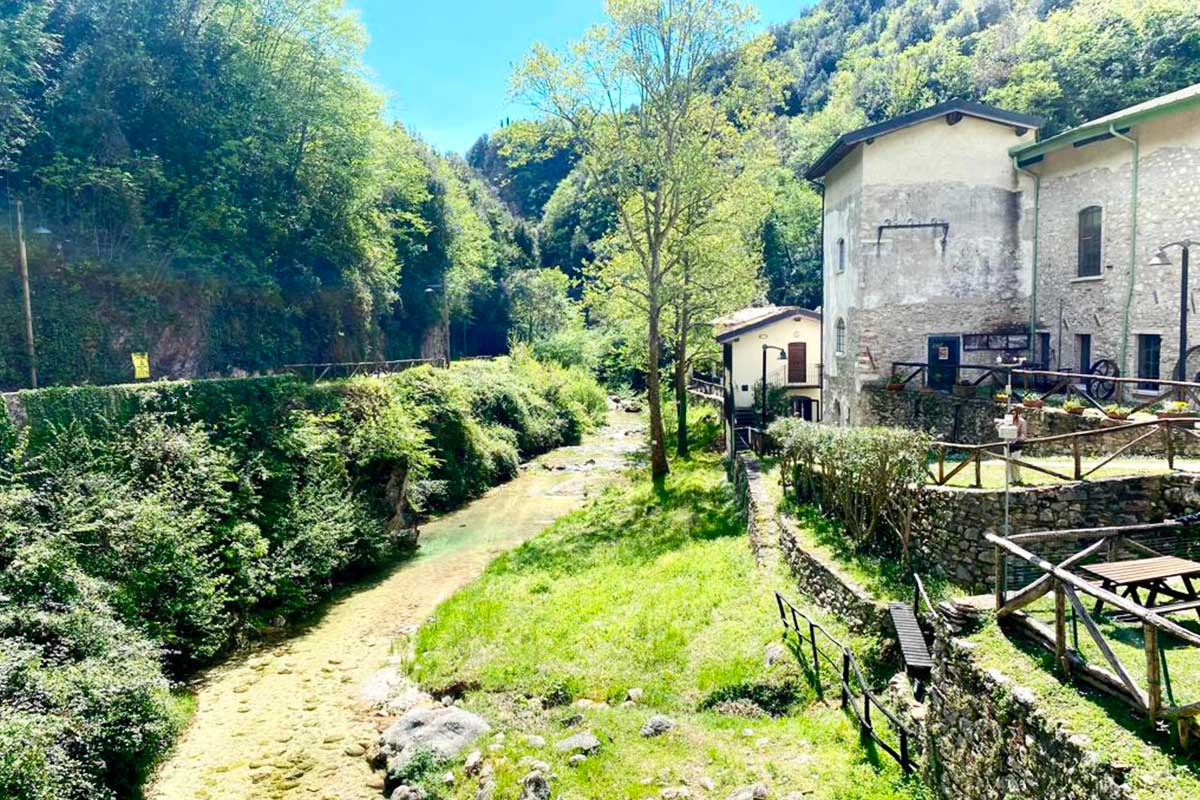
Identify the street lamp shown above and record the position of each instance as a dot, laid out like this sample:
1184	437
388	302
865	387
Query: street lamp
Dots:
441	287
782	357
1162	260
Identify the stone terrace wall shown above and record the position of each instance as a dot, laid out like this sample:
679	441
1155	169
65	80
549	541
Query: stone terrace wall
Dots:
986	739
830	587
971	421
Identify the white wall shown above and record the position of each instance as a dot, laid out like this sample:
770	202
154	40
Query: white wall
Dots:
747	357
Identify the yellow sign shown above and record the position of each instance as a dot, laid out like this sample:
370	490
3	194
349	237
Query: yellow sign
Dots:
141	366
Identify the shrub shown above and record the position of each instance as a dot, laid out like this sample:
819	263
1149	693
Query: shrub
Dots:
866	477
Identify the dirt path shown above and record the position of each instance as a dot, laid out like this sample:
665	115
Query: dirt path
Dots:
291	722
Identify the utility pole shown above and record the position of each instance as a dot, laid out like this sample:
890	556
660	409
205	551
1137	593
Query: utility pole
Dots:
446	318
23	265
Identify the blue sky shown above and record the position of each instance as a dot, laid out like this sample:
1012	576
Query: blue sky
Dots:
444	64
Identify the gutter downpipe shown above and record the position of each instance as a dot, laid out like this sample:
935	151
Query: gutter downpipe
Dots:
819	185
1033	289
1133	244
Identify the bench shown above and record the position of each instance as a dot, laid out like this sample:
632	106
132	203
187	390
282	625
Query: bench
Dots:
917	662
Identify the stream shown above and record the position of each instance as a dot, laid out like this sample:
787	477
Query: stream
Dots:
293	719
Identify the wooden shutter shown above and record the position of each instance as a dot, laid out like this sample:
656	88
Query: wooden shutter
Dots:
797	362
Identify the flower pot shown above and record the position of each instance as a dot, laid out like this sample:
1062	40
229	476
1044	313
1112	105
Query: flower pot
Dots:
1118	417
895	387
1075	412
1173	414
1033	404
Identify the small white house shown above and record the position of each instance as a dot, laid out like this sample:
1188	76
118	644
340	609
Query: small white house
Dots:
790	338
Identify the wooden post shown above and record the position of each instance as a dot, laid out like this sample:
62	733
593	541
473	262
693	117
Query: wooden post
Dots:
1060	626
1000	593
1153	672
978	469
1075	451
941	466
1170	444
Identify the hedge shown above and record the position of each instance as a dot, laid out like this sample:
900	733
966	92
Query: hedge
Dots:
866	478
147	530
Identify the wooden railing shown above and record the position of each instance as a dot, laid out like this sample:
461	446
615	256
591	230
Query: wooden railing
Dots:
706	387
1067	588
856	695
947	468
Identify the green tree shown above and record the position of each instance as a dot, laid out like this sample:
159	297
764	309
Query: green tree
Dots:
650	134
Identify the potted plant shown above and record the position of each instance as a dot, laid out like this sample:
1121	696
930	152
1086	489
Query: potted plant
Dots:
1116	411
1033	402
1072	406
963	388
1001	398
896	382
1175	409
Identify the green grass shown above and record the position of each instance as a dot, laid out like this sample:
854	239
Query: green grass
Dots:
1158	770
655	588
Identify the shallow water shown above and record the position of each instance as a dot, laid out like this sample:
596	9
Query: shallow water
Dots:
292	720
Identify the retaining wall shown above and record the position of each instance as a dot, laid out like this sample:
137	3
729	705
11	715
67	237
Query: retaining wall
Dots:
972	421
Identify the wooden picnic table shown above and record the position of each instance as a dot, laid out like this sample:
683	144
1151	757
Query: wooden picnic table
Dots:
1151	575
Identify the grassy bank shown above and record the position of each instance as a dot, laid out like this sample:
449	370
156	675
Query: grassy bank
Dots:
651	588
146	530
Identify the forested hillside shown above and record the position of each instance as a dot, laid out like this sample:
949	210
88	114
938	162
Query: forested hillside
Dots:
848	63
214	182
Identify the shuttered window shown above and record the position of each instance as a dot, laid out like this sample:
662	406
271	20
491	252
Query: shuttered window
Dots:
1090	230
797	353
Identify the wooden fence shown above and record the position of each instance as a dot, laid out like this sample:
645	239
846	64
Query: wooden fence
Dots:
856	696
973	455
1067	588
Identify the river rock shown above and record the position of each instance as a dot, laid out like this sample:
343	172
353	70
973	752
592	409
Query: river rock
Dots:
444	731
583	742
756	792
657	725
408	793
535	786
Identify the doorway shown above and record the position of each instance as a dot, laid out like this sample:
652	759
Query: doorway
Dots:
943	362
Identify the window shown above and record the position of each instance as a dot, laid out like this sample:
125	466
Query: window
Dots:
797	358
841	255
1090	230
1083	346
839	338
1149	352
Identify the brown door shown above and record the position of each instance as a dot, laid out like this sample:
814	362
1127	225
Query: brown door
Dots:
797	362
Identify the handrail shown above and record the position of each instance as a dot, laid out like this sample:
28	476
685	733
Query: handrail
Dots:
849	667
1079	584
1096	433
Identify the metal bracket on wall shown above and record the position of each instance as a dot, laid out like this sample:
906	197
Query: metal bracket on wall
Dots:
912	223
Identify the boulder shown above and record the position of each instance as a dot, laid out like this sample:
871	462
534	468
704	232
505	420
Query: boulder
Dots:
445	732
584	742
756	792
657	725
535	786
408	793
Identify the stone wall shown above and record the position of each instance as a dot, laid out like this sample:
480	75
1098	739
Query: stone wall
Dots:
972	421
951	540
985	738
768	529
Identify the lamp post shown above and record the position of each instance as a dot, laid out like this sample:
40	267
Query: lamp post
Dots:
1162	260
441	287
782	357
26	303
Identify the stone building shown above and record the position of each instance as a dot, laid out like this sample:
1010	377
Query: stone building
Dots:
954	234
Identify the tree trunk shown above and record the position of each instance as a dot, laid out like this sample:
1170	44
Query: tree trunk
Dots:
681	393
658	453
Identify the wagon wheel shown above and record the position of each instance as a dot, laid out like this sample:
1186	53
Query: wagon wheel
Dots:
1188	369
1097	386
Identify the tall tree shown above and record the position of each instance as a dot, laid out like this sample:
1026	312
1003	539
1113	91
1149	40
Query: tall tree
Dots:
633	93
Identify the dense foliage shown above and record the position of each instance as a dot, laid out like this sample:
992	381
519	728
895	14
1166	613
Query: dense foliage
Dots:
144	530
214	182
868	479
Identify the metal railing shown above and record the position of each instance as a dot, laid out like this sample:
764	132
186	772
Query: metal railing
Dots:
349	369
856	697
756	439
